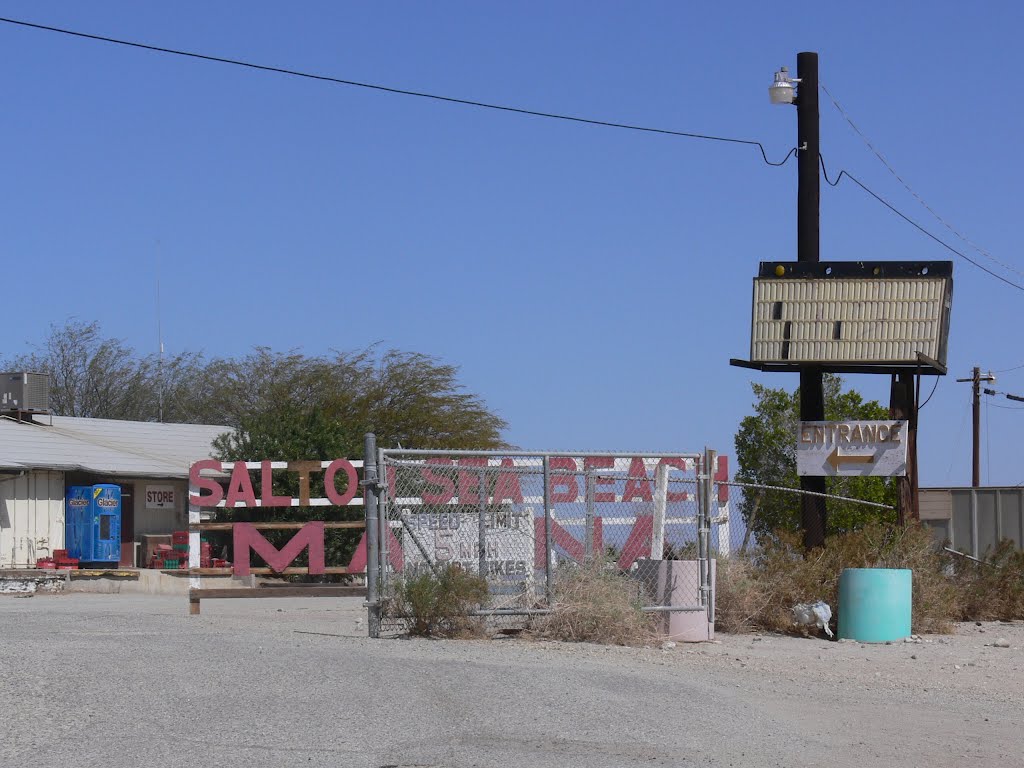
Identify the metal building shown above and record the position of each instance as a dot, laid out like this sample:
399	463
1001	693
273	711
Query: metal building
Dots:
974	520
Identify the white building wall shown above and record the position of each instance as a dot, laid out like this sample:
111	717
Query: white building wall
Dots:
31	518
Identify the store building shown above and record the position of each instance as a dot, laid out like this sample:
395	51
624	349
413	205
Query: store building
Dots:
43	456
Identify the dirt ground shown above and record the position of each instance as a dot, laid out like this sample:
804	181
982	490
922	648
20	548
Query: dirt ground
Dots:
132	680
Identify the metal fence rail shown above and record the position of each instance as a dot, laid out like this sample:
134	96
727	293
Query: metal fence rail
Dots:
521	520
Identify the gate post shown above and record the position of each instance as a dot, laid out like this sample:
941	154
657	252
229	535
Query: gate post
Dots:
482	525
588	533
705	500
371	490
549	576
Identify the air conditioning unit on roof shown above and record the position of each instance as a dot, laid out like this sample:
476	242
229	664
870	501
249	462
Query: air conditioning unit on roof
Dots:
24	392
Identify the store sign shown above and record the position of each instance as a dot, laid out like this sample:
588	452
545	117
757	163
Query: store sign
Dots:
160	497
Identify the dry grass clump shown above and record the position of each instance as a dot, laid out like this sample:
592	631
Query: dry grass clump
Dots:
740	600
758	592
439	604
594	604
993	591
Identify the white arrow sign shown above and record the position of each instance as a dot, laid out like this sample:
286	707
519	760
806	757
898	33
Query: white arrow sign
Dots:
852	448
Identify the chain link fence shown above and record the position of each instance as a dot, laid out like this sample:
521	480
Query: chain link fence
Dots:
521	520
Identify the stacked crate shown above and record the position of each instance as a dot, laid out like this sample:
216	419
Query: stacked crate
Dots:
179	555
62	562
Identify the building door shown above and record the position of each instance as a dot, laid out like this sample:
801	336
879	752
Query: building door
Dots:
127	527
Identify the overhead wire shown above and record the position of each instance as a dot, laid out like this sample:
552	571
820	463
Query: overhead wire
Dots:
1007	370
874	150
400	91
532	113
913	223
930	394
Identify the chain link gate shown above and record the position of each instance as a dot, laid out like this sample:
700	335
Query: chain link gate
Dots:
520	519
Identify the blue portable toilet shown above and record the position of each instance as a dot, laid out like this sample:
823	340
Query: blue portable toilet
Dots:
77	504
102	543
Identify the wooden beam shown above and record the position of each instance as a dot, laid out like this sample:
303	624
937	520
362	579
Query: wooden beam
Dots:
265	571
296	590
277	526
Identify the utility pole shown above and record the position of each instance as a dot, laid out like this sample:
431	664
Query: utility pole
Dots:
812	397
976	379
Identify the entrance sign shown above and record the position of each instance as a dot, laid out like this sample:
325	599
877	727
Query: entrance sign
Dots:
852	448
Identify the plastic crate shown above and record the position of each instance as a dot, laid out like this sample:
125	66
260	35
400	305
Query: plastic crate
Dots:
179	537
171	564
58	554
46	562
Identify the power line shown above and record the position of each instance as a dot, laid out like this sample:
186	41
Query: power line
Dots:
963	238
1007	370
400	91
515	110
913	223
934	387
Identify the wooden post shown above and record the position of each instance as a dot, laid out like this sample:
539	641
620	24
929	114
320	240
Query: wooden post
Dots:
903	405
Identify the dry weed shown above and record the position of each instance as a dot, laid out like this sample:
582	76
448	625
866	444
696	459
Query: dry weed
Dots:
758	592
993	591
440	605
595	604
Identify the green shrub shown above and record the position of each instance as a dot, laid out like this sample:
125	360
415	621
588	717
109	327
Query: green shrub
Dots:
440	604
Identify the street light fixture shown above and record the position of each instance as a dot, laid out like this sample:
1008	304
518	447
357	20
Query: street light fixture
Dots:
783	91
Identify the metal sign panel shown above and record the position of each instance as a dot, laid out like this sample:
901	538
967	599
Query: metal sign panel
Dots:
852	448
873	313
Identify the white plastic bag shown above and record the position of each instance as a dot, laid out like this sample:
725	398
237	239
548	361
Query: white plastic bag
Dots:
814	614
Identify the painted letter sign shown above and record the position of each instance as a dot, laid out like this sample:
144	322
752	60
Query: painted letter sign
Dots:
852	448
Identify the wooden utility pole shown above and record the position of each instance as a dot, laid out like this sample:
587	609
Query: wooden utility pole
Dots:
976	379
812	396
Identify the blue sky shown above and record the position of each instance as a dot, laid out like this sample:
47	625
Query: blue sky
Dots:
591	283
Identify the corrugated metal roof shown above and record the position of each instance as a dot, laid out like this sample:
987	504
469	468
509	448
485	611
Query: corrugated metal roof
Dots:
106	446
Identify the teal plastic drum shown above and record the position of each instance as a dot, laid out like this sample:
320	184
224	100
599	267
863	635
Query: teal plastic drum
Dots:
875	604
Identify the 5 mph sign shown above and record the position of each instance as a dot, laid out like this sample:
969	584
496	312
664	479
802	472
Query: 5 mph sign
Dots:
852	448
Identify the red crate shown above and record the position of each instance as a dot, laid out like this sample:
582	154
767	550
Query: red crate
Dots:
158	564
179	537
59	554
46	562
67	566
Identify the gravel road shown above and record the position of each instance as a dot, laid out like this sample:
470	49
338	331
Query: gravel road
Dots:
126	681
